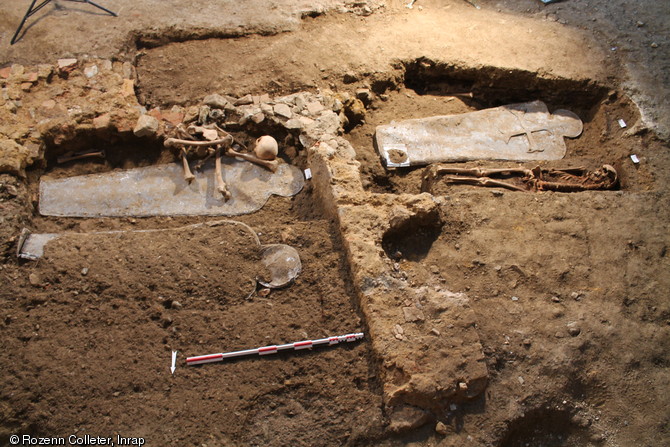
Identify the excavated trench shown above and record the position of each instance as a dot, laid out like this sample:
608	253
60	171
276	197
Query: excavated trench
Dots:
428	88
451	246
179	293
421	88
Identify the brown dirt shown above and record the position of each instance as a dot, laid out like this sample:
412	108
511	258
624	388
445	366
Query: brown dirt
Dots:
566	329
109	334
570	291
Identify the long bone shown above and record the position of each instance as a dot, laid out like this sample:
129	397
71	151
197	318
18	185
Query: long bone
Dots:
482	181
209	132
219	143
181	132
472	176
535	179
220	184
80	156
183	148
272	165
188	175
176	142
478	172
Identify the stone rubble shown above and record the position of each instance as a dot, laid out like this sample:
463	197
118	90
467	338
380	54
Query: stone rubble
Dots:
215	100
51	105
147	126
283	110
412	314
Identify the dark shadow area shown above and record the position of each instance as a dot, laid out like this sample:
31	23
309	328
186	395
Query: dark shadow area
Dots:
412	238
490	86
545	427
96	155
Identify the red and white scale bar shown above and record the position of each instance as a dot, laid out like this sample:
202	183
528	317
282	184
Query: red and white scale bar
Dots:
265	350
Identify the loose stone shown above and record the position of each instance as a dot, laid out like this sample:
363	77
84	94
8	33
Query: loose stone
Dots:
147	126
283	110
245	100
412	314
573	329
215	100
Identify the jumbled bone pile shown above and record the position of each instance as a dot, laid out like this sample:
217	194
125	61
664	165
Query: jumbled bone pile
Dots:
209	139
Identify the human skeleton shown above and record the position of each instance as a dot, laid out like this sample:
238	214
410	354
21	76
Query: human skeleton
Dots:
209	140
523	179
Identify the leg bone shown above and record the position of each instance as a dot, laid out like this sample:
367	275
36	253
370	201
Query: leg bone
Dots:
80	156
478	172
220	184
482	181
188	175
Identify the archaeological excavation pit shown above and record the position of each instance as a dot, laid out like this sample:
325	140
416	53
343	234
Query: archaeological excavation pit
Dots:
175	277
432	288
547	427
429	88
491	315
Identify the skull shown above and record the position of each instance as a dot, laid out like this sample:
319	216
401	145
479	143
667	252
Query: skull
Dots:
266	148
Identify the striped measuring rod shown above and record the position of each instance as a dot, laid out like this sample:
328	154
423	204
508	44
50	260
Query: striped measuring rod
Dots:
265	350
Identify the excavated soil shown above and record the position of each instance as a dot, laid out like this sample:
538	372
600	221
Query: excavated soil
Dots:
569	290
109	309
